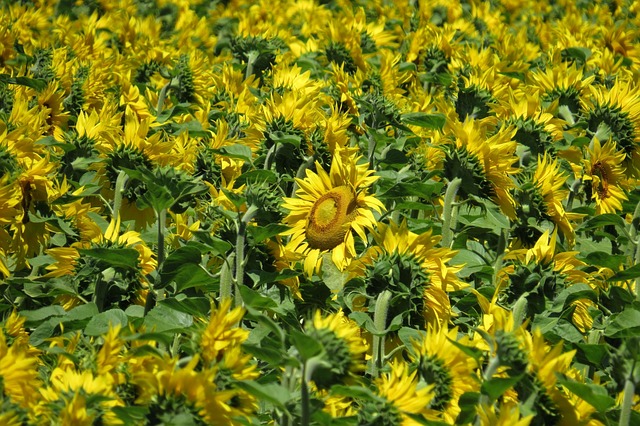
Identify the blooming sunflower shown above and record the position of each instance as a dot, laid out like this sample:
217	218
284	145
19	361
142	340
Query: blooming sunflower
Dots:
604	177
328	208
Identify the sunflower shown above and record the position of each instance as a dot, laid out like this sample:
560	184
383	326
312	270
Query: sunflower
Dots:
401	398
615	112
507	415
222	332
344	348
328	208
413	269
18	372
484	163
444	365
604	177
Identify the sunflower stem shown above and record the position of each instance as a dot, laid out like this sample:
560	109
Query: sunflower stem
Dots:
240	241
269	156
226	277
162	96
447	211
372	150
251	59
627	402
121	181
380	324
162	220
575	186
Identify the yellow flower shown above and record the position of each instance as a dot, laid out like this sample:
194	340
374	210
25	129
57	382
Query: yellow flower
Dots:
604	177
507	415
328	209
222	331
445	366
344	348
18	372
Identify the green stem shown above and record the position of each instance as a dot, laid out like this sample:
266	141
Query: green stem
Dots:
162	96
380	323
300	174
502	245
304	397
251	58
100	293
121	181
636	259
575	186
226	277
240	241
447	212
627	402
372	150
269	156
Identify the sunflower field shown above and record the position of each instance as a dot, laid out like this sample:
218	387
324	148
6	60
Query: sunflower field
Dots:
319	212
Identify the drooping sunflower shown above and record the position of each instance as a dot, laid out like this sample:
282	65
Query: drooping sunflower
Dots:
402	397
604	177
444	365
615	112
484	163
344	348
413	269
328	208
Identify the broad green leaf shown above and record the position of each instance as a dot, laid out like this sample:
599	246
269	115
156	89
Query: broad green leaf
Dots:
595	395
591	353
626	274
115	257
239	151
332	277
163	318
183	267
257	176
468	403
624	324
273	393
101	323
262	233
35	83
422	119
307	346
196	306
37	315
256	300
497	386
605	259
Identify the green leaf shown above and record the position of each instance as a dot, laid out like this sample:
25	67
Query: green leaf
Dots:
468	403
593	394
251	176
115	257
273	393
196	306
626	274
410	336
262	233
307	346
332	277
285	138
183	267
256	300
239	151
497	386
422	119
592	353
624	324
35	83
605	259
38	315
163	318
101	323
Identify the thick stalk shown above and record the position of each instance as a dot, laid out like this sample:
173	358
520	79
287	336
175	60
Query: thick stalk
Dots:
240	241
572	194
162	220
226	277
380	323
304	396
627	402
162	96
251	59
447	211
121	181
372	150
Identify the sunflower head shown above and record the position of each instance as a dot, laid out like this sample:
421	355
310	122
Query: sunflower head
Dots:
459	162
330	217
343	346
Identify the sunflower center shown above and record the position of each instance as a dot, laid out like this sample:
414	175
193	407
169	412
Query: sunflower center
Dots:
330	217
